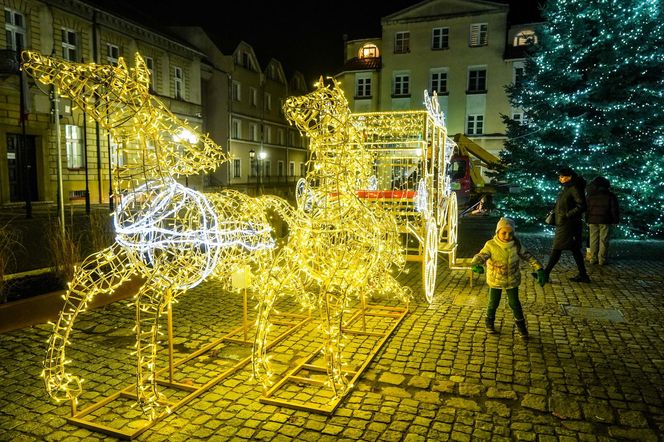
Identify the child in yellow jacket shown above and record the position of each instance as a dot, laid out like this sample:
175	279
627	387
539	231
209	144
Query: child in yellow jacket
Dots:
502	255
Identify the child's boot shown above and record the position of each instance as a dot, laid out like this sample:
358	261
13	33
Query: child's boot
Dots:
489	325
521	326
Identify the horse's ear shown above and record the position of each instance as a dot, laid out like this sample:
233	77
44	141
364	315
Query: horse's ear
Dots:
141	71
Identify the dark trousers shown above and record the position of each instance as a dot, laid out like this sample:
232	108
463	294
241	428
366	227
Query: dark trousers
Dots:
512	299
555	257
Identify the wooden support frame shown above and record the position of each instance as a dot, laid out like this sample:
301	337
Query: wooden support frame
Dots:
351	327
166	376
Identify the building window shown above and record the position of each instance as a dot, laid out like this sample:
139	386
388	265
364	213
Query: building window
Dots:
280	168
520	118
478	35
236	90
74	142
525	38
363	85
477	80
518	73
254	96
440	38
302	169
282	137
118	155
268	101
268	134
236	129
237	168
112	54
69	48
15	30
253	130
178	78
369	50
475	125
402	42
291	168
149	62
438	81
401	84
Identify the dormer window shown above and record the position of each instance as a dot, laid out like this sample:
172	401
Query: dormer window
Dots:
369	50
525	38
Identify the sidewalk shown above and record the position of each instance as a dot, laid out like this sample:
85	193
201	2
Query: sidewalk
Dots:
592	369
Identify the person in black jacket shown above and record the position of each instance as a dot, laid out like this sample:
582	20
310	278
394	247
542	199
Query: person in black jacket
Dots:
570	205
603	211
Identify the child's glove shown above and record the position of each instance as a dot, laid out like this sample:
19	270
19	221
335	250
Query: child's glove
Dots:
477	269
540	276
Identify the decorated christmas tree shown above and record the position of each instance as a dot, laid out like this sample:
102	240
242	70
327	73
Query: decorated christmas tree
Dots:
593	99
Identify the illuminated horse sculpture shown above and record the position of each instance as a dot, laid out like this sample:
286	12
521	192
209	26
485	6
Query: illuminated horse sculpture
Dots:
339	250
170	235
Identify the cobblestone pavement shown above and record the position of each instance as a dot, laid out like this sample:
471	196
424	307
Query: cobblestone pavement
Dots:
592	369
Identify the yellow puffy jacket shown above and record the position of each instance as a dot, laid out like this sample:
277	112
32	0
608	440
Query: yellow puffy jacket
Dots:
503	260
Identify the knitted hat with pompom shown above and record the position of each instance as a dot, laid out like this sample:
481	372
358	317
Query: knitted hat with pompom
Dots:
505	222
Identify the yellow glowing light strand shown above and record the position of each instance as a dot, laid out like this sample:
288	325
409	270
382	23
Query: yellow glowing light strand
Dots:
339	249
171	236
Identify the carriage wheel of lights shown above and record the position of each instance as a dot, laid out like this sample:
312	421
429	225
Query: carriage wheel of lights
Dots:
410	154
172	236
339	250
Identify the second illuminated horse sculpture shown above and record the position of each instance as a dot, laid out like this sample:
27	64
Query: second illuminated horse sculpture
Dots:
339	250
172	236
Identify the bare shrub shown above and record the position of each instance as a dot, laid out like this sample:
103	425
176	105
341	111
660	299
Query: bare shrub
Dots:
9	241
101	231
64	251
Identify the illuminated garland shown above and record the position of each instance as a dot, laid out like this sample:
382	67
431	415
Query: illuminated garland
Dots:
172	236
339	249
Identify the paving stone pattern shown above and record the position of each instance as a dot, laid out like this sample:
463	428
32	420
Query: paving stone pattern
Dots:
579	377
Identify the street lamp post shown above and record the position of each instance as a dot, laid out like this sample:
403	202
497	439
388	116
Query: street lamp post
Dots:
252	159
261	157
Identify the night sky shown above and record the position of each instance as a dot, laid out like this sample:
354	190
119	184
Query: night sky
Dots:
307	36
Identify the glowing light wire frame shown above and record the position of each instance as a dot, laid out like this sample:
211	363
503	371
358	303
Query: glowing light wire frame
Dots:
340	250
170	235
410	152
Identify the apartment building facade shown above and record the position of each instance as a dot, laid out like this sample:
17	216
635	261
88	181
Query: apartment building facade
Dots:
464	50
189	74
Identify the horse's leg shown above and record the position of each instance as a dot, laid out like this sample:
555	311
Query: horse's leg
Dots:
150	303
332	317
101	272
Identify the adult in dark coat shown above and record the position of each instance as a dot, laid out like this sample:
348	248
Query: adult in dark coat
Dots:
603	211
570	205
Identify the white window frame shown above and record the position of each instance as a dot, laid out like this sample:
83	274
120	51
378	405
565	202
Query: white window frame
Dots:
236	90
112	54
479	35
519	117
475	124
268	134
303	170
69	49
74	146
178	82
253	131
363	85
402	42
236	129
149	63
401	84
237	168
516	75
291	168
267	168
268	101
440	38
15	29
254	96
118	155
438	80
282	137
280	168
475	81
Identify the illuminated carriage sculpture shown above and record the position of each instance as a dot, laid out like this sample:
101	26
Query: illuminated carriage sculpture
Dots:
410	152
